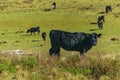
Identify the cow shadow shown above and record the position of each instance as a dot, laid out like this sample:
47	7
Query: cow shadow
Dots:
47	9
93	23
93	29
26	35
35	40
101	12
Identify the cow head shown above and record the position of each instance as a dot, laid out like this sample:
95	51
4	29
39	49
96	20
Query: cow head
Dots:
94	38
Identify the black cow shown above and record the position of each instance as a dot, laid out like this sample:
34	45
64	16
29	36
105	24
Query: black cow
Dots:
54	5
101	19
81	42
108	9
44	36
34	29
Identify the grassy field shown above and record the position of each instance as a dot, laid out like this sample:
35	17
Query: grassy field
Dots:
16	16
72	16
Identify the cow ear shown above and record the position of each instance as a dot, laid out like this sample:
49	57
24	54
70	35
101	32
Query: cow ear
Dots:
99	35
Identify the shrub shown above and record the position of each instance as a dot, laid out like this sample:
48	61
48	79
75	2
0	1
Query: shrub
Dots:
107	67
92	67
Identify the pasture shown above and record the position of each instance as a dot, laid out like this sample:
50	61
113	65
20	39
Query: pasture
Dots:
16	16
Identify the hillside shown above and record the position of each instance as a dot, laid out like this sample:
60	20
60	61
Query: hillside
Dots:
17	16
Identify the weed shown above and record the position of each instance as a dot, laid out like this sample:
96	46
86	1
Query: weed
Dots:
8	68
28	62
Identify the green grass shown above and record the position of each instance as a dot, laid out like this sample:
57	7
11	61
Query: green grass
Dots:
13	21
70	15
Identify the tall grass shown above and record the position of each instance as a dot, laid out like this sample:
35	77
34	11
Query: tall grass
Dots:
43	67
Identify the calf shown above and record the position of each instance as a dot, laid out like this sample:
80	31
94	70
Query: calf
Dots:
108	9
44	36
54	5
33	30
101	19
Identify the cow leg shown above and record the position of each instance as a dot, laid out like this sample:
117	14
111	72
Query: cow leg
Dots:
54	48
98	25
38	32
107	11
31	33
83	51
54	51
101	25
44	39
51	51
58	51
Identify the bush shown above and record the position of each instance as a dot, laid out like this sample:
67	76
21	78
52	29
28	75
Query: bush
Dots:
107	67
91	67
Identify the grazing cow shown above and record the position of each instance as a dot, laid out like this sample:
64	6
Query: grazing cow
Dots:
108	9
33	30
44	36
81	42
54	5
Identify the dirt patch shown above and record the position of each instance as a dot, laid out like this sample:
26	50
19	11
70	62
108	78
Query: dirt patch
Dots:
111	56
13	51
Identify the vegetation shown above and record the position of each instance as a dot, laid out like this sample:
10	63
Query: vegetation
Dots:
73	67
16	16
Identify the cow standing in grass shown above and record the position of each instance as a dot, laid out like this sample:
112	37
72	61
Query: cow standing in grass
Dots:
44	36
108	9
81	42
100	21
33	30
101	18
54	5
